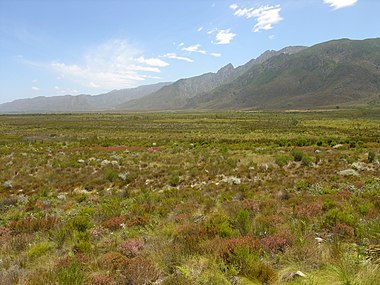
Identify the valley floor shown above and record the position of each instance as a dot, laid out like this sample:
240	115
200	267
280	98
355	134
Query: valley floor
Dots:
202	198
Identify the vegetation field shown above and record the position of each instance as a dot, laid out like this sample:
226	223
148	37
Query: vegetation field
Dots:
190	198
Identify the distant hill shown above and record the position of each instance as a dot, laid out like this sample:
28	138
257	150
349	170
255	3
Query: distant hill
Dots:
79	103
339	72
334	73
178	94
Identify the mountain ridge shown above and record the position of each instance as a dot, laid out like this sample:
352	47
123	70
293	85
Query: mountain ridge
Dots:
79	103
339	72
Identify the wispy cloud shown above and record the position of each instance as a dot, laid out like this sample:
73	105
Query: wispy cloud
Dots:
194	48
216	54
152	61
338	4
266	16
35	88
113	64
175	56
224	37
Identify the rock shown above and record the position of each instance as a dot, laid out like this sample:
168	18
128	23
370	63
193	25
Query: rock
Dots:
154	144
234	280
318	151
116	157
105	163
61	197
232	180
289	276
8	184
80	161
264	167
360	166
338	146
22	199
348	172
80	190
283	195
123	176
319	240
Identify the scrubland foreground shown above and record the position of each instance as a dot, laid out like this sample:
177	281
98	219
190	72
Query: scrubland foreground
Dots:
222	198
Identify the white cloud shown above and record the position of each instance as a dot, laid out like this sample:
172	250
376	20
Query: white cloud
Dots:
234	6
338	4
175	56
272	37
216	54
152	61
266	16
200	29
113	64
224	37
194	48
35	88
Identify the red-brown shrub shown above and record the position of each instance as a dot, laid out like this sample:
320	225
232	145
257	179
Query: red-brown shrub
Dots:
275	243
101	279
131	247
309	211
137	221
141	270
112	261
113	223
343	231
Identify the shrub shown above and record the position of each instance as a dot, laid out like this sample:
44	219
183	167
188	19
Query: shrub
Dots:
113	223
101	279
307	160
80	223
343	231
243	222
141	270
297	154
111	175
39	249
131	247
371	156
275	243
112	261
282	160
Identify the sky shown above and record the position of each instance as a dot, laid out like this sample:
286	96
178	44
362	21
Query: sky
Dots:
60	47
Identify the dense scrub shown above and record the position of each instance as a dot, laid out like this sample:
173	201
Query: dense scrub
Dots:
221	198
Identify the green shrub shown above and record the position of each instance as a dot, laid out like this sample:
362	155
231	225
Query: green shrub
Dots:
371	156
111	175
282	160
39	249
80	223
243	222
297	154
307	160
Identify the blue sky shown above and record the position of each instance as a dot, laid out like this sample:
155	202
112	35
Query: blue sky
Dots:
59	47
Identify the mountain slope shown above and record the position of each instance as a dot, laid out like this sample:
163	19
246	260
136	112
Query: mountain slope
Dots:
79	103
327	74
178	94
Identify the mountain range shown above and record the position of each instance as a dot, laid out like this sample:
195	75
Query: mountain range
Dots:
335	73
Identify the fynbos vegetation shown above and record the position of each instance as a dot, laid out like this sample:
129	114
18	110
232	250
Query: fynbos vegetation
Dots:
221	198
